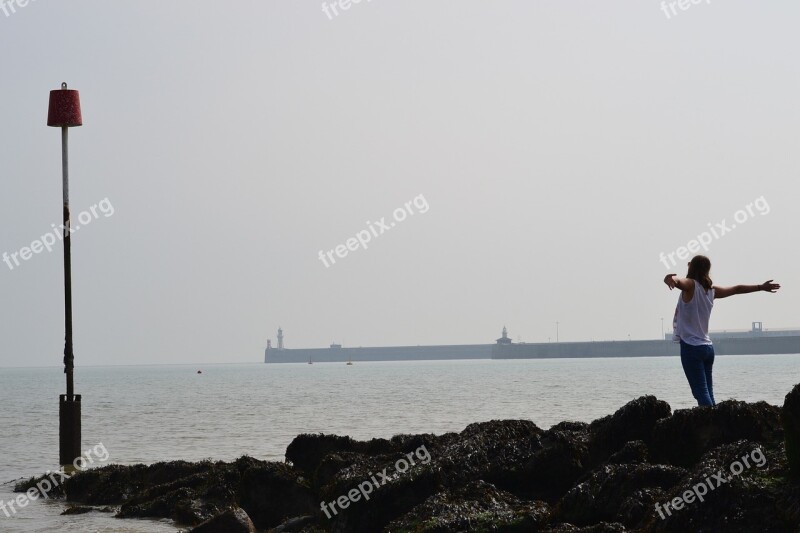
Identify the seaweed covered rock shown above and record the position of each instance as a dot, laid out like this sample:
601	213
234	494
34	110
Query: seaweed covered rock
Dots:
736	487
618	493
367	494
76	509
563	457
274	492
790	416
115	484
492	451
613	475
689	433
635	451
233	520
515	456
297	523
478	506
602	527
191	493
307	451
633	421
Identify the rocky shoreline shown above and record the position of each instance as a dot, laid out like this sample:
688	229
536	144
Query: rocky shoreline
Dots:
734	468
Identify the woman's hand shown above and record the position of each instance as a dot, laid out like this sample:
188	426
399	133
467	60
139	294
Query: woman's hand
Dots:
769	286
669	279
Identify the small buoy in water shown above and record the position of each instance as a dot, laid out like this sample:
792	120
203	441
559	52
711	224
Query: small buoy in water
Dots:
199	371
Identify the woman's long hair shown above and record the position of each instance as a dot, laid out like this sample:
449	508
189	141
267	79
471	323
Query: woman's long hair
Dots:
699	268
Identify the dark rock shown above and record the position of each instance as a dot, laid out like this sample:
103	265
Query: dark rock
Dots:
50	485
739	499
76	509
789	503
605	496
115	484
273	492
570	426
689	433
554	468
638	506
602	527
478	506
295	524
306	452
633	421
514	455
191	493
790	415
491	451
182	505
331	465
370	510
375	451
233	520
493	476
632	452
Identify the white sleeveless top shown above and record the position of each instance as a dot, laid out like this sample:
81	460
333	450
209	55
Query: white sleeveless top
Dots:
691	319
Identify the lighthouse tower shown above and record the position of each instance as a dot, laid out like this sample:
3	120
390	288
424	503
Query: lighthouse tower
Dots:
504	339
280	339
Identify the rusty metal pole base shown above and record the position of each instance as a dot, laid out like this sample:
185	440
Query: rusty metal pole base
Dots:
69	423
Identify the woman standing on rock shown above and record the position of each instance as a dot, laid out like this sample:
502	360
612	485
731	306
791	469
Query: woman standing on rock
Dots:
691	322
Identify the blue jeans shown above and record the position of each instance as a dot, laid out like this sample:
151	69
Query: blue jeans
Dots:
697	363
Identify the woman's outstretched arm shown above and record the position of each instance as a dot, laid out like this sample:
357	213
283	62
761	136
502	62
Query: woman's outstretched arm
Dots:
684	284
724	292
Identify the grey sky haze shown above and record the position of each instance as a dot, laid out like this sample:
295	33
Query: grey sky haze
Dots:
561	146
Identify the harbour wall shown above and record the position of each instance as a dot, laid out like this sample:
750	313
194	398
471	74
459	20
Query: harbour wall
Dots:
634	348
384	353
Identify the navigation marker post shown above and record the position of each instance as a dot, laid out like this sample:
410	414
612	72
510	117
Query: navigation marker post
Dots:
65	112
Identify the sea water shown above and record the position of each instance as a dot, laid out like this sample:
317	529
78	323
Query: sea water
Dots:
144	414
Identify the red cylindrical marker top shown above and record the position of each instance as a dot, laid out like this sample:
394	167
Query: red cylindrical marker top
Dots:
65	108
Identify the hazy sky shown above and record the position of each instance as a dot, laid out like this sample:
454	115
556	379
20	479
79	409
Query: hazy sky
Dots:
559	147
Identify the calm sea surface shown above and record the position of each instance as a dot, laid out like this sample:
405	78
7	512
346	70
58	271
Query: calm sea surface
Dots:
155	413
